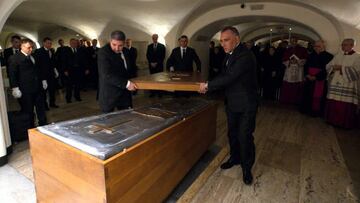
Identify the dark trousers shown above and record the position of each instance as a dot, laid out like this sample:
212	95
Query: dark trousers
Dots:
30	100
51	91
158	69
73	82
125	102
308	97
118	107
241	126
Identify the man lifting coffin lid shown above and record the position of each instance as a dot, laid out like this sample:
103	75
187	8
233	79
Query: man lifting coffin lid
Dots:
114	73
238	79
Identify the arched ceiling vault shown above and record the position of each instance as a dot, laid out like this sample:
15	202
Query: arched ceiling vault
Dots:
93	18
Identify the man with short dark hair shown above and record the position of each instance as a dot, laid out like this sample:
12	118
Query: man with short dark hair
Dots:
238	80
182	57
46	61
15	48
94	75
114	74
27	82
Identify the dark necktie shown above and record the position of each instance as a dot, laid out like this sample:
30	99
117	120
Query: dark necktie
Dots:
28	57
183	53
227	57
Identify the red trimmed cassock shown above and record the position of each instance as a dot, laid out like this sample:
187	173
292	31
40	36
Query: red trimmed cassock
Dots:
343	94
314	95
294	59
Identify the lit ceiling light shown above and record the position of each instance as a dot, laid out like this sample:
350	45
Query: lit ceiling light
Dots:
88	32
161	30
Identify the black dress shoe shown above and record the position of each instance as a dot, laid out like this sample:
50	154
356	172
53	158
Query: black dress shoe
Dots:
78	99
247	176
229	163
54	106
68	101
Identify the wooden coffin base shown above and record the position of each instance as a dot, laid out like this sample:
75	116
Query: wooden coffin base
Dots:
146	172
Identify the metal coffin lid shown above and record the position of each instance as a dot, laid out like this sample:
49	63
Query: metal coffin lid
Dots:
106	135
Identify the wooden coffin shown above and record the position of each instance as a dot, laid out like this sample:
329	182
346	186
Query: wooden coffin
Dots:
145	172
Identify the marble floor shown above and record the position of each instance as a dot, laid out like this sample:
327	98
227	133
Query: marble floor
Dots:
298	159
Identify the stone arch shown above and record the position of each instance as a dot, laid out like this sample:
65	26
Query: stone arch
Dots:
325	27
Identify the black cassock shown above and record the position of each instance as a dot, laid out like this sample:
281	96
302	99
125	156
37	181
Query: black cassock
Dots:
272	68
315	91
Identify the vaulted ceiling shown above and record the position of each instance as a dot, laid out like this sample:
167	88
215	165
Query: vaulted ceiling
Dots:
94	18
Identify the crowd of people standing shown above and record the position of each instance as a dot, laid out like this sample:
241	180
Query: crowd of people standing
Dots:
319	83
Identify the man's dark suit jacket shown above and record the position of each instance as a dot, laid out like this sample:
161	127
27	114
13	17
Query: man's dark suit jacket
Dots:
238	78
23	73
185	63
75	63
113	77
92	52
156	56
7	53
60	57
132	58
45	63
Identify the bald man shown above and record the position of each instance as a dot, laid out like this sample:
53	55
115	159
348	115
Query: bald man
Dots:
238	80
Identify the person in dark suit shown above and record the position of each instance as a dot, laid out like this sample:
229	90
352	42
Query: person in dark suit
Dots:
114	73
155	55
45	58
94	74
15	48
182	57
75	68
238	79
132	57
28	82
60	57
